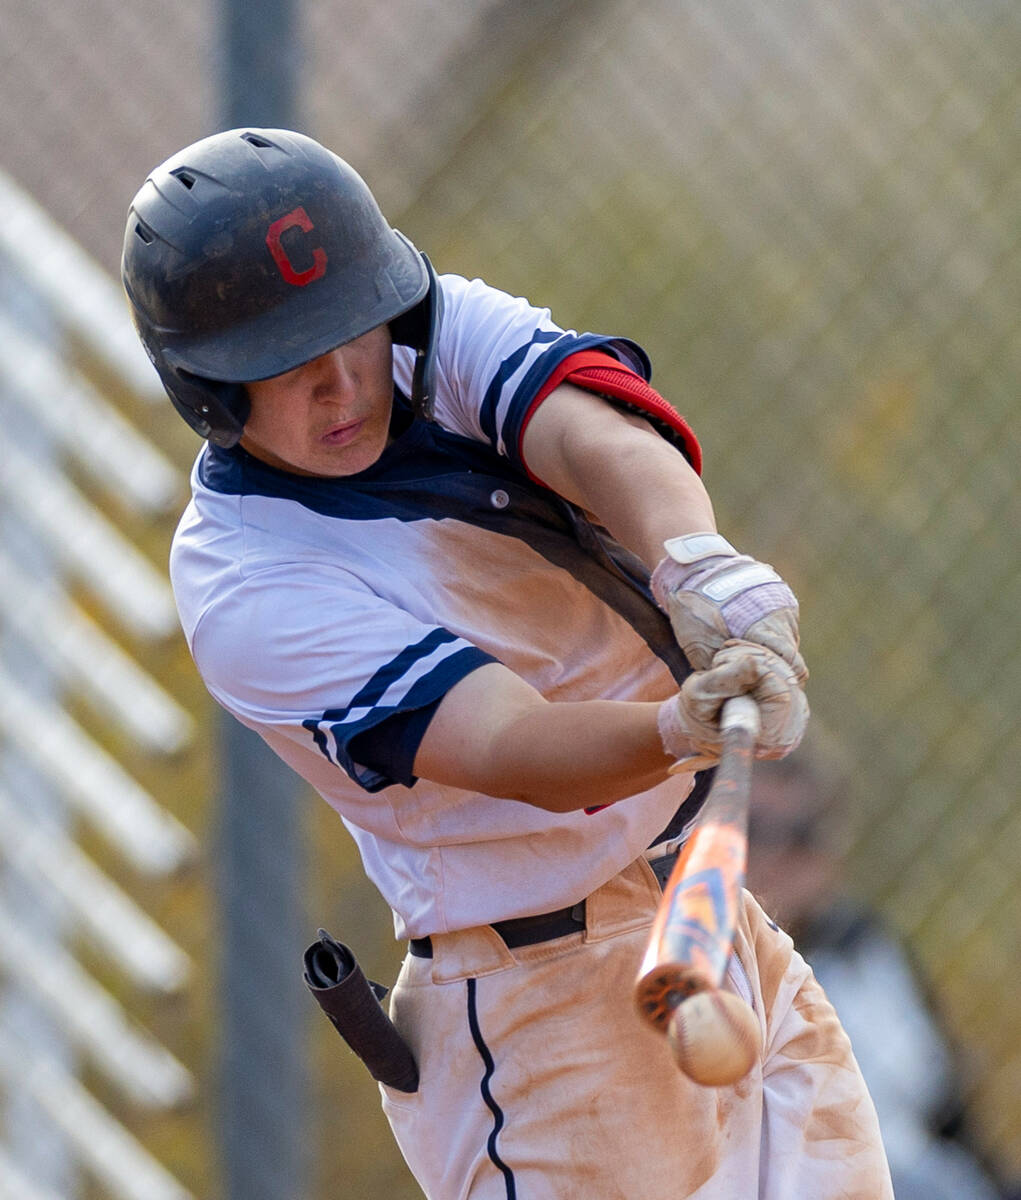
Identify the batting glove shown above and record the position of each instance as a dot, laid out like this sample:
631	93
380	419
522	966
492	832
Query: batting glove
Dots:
691	719
713	594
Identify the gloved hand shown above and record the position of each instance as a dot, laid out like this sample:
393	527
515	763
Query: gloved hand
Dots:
689	722
712	594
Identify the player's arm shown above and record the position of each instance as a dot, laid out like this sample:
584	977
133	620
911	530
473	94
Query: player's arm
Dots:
616	466
494	733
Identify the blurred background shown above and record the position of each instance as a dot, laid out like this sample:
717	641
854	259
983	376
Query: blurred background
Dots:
810	216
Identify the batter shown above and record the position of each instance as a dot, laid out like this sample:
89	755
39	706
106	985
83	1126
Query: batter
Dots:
456	565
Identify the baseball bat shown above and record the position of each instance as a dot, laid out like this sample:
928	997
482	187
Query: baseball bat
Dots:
692	936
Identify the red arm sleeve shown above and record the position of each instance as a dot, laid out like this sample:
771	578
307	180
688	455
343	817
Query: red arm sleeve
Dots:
596	371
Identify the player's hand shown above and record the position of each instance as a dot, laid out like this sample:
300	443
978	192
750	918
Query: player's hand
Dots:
689	723
713	594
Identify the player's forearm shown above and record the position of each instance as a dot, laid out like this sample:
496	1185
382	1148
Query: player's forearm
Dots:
646	494
495	734
568	756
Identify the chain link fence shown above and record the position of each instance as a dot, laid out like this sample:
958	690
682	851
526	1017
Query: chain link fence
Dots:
809	216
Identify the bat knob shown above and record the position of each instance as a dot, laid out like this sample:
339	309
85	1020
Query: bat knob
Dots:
741	712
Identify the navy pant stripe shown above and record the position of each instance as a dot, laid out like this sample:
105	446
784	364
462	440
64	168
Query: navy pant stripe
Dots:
487	1095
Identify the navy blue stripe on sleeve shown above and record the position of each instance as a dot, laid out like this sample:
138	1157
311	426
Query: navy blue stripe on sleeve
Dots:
545	365
389	673
337	728
491	400
389	747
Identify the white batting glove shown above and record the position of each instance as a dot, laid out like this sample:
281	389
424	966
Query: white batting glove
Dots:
689	723
712	594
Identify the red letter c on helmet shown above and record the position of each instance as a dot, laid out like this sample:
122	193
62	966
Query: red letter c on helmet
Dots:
300	219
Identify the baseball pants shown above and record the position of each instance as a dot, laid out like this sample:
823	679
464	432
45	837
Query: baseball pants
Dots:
540	1082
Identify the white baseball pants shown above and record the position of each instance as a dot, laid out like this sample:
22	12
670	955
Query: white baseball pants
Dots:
540	1082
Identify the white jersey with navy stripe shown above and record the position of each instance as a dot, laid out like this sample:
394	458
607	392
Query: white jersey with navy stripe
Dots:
317	609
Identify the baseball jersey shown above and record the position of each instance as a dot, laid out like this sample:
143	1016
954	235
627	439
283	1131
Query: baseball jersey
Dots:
333	615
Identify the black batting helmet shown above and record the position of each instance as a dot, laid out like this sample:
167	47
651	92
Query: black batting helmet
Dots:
254	251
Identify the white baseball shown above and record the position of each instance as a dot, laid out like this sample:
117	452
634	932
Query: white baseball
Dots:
715	1038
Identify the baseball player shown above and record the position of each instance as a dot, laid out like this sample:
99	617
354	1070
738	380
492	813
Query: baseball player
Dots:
455	564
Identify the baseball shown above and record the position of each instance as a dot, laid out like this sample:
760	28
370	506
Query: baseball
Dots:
715	1038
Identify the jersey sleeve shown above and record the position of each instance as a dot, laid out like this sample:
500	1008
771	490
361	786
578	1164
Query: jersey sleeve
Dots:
595	371
312	656
495	352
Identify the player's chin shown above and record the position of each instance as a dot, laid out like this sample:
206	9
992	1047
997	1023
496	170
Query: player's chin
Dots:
351	458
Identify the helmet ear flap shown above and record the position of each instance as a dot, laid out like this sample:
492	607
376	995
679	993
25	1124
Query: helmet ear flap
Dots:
418	328
423	381
217	411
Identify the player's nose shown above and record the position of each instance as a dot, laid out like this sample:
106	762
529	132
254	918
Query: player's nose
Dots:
332	375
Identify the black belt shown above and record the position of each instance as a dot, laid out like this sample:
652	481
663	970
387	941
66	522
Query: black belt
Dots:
544	927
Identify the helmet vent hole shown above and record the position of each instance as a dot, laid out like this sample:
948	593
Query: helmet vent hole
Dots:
186	177
253	139
146	235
